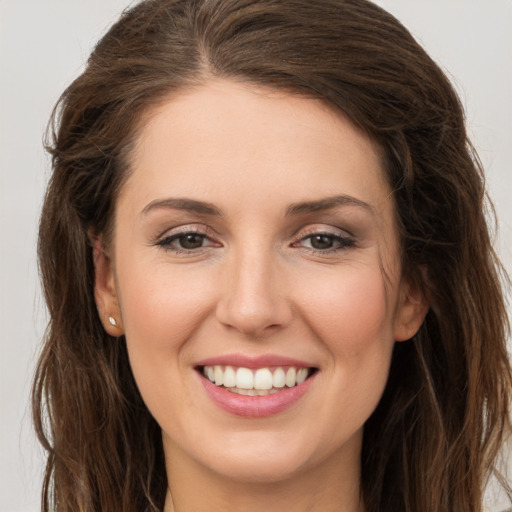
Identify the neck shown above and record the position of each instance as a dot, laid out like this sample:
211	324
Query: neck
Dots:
330	486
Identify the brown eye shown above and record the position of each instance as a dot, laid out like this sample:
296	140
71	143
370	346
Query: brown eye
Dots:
325	243
191	241
322	242
186	242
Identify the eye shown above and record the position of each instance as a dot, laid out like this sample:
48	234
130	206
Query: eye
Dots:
188	241
323	242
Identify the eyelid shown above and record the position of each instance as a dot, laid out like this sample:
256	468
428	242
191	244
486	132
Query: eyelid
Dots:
345	239
323	229
176	232
183	229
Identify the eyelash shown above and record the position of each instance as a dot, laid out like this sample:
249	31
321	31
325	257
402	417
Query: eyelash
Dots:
166	241
340	242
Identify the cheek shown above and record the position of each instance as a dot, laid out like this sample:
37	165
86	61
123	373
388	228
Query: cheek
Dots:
162	307
352	317
350	311
162	311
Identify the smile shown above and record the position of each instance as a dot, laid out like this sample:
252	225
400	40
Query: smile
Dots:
256	382
256	386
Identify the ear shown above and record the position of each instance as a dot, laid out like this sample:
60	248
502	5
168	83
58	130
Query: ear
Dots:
411	310
105	292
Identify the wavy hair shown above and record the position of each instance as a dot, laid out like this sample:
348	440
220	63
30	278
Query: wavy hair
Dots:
432	441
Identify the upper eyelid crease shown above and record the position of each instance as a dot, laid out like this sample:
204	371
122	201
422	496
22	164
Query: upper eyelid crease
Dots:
325	229
182	231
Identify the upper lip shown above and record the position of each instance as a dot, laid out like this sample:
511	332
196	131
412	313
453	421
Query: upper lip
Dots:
262	361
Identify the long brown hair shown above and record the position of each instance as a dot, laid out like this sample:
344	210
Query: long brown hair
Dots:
432	441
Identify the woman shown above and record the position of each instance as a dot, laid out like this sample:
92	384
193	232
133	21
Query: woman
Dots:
268	270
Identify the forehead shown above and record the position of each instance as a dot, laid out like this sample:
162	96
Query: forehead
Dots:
225	137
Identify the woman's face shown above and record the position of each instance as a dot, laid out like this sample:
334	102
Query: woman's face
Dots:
255	246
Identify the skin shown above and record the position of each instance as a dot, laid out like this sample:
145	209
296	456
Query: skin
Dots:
257	283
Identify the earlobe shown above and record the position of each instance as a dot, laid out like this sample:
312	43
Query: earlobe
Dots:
412	309
105	292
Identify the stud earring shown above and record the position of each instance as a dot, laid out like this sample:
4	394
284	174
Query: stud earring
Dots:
112	321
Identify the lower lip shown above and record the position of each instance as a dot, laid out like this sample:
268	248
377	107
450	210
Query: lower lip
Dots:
256	406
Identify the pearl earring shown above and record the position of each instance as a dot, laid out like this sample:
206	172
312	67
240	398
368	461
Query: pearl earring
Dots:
112	321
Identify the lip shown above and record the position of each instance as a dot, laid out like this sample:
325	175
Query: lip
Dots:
254	406
252	362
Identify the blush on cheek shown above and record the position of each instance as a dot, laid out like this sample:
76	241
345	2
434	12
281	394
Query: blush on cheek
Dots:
352	313
164	309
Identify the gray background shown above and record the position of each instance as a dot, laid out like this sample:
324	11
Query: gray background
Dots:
43	45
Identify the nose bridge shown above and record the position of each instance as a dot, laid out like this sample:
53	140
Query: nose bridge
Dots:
253	299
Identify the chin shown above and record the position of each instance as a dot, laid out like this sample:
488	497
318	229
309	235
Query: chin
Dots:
260	457
261	470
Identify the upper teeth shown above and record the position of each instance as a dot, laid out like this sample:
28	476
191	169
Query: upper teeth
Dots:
261	379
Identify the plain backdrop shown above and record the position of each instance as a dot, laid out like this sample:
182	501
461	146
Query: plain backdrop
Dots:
43	46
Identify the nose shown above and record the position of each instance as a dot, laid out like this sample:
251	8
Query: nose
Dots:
253	296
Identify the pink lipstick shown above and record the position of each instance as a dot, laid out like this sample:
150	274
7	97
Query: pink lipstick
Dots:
255	386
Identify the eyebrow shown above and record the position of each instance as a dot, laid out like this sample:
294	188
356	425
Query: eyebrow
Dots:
190	205
301	208
327	203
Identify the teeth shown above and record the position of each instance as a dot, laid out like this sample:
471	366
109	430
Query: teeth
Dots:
253	392
229	379
302	375
244	378
263	379
278	378
260	382
290	377
219	376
